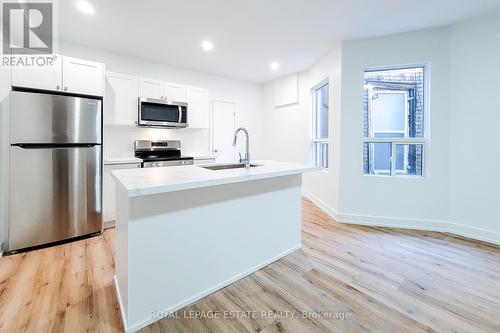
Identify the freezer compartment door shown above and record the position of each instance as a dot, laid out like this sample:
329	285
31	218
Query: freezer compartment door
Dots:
55	194
45	118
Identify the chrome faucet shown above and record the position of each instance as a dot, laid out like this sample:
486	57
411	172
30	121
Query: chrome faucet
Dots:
245	160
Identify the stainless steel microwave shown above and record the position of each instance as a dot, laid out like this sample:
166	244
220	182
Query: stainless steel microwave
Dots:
160	113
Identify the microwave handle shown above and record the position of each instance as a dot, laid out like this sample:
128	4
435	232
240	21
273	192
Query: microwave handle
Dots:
180	113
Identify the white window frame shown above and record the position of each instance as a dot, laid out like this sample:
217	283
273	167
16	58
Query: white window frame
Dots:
314	140
425	141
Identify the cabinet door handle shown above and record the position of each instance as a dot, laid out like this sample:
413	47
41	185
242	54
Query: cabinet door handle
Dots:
58	87
65	88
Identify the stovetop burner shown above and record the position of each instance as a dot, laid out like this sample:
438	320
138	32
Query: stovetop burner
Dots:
153	153
163	158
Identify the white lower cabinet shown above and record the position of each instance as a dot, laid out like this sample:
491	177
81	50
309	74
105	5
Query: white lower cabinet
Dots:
108	189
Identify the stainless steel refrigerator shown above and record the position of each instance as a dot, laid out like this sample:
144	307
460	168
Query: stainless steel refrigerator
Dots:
55	175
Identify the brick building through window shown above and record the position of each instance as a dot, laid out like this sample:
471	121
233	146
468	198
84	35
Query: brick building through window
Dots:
394	122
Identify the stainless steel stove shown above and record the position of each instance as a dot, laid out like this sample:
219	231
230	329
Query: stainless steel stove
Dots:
160	153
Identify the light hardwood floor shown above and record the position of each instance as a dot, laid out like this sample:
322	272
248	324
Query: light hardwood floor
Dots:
384	280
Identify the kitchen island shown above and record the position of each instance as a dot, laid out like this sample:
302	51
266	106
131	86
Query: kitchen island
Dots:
184	232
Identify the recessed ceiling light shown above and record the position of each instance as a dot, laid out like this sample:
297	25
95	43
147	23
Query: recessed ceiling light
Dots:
274	66
207	45
85	7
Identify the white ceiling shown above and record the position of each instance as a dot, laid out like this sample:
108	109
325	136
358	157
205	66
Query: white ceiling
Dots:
249	34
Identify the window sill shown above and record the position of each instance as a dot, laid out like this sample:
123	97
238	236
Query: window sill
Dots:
323	170
395	176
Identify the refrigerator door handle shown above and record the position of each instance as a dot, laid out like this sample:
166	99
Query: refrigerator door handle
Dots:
53	146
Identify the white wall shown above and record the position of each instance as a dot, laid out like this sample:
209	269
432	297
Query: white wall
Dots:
475	118
343	190
119	139
288	128
418	199
459	193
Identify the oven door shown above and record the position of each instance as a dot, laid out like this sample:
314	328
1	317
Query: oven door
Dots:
158	113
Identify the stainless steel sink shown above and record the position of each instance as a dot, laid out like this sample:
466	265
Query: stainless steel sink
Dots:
227	166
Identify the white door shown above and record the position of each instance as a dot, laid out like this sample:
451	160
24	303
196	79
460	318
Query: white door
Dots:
175	92
198	100
46	77
121	100
83	76
224	125
149	88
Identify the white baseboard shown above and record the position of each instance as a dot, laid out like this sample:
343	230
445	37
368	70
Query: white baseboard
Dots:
137	326
321	204
393	222
405	223
120	303
475	233
108	224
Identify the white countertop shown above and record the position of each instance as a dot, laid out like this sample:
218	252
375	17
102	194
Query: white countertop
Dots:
139	182
203	157
121	160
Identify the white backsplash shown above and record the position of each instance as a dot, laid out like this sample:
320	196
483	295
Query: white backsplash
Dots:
119	139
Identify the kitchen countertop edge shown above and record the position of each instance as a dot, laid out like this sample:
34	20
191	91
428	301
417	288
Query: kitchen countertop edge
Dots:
122	160
129	180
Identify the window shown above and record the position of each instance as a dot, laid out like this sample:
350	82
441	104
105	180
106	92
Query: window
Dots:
319	144
394	128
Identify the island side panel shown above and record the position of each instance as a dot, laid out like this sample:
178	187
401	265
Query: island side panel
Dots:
121	250
184	245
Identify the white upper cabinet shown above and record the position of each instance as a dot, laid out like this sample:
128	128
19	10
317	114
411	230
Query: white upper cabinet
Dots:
83	76
198	100
149	88
45	78
121	100
175	92
66	74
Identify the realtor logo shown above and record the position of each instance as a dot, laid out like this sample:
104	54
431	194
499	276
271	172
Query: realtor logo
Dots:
27	28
